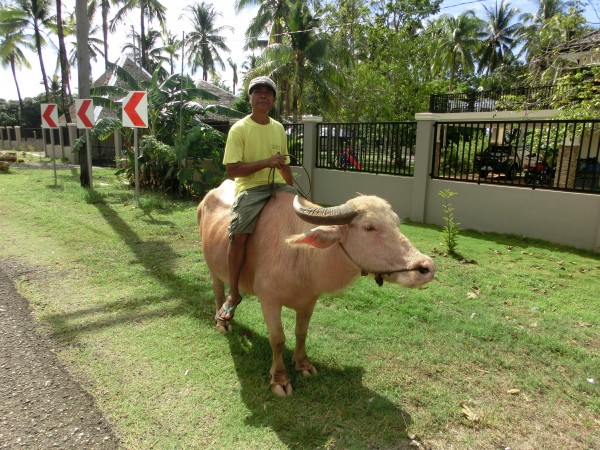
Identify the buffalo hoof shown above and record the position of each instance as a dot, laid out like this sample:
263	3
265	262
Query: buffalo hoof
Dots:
223	326
309	372
282	391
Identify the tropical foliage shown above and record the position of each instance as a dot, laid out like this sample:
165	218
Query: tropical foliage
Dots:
342	59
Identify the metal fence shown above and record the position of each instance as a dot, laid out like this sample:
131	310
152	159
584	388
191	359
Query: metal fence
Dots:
548	154
295	142
384	147
504	100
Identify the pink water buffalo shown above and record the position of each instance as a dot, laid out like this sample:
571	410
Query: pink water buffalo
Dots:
290	263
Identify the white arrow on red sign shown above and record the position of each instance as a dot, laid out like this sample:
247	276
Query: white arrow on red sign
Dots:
49	115
135	110
85	113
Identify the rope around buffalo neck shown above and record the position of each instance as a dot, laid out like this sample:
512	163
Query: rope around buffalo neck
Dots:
365	272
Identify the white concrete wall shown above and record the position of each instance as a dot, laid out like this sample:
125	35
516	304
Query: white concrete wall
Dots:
566	218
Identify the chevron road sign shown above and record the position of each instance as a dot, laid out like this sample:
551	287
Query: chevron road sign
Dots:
85	113
135	110
49	115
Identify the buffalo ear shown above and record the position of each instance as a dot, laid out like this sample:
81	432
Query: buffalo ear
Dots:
320	237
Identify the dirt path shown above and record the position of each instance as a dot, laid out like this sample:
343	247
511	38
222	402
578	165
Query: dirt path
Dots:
41	405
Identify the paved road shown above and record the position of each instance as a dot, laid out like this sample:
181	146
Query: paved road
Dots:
41	405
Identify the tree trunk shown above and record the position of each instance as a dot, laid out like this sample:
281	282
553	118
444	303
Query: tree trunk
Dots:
38	44
105	8
64	64
14	72
83	75
143	50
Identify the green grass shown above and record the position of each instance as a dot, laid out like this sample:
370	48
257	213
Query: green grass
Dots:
126	293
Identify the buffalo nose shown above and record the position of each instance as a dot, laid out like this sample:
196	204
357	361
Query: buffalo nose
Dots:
427	267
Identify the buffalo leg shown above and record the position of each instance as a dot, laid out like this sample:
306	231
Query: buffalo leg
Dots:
300	359
218	288
280	381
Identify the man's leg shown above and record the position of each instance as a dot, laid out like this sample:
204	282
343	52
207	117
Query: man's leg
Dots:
236	254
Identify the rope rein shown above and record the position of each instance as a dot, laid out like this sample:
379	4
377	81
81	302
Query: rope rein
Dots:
378	275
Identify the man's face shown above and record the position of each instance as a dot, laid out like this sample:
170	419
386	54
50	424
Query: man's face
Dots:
262	99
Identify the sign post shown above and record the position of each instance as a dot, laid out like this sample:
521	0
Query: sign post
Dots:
50	120
135	115
85	119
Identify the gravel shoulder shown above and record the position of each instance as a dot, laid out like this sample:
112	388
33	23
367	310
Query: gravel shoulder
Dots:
41	405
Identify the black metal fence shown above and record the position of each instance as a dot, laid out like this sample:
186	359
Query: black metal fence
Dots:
31	134
504	100
548	154
384	147
295	142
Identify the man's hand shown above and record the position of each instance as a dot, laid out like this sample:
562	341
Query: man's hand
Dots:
276	161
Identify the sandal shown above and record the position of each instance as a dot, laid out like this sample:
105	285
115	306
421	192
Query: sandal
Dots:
226	310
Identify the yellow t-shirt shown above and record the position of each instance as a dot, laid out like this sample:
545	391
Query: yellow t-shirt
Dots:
249	141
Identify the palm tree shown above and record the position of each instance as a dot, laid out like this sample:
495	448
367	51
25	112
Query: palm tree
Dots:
457	44
95	44
65	88
27	16
105	7
235	75
205	41
12	55
501	37
171	47
541	35
150	10
269	18
303	58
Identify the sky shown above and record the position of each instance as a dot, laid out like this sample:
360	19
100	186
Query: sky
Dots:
29	79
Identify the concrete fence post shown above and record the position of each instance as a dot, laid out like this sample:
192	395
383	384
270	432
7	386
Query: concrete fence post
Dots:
73	157
8	138
423	161
18	139
118	147
309	153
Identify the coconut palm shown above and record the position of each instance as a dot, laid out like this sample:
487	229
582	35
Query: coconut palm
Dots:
204	41
149	10
269	18
171	47
95	44
457	44
502	36
65	87
11	55
235	74
29	16
105	9
304	58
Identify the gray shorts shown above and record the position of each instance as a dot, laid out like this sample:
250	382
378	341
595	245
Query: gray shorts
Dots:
248	205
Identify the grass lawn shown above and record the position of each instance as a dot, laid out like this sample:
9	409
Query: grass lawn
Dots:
501	350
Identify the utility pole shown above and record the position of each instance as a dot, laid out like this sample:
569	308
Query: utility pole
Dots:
83	75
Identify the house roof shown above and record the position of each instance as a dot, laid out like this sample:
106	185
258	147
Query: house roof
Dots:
109	78
585	43
583	51
225	98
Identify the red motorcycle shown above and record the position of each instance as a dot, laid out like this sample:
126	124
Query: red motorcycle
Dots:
537	171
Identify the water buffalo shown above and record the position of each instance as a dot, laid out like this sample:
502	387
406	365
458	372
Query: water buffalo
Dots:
291	263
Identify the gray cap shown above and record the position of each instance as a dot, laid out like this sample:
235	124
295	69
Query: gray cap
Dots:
262	81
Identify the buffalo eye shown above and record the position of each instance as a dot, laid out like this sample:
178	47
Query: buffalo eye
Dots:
369	228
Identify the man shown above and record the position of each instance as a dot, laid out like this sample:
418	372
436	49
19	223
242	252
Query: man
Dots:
255	156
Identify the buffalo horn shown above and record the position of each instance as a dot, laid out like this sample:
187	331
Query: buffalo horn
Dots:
334	215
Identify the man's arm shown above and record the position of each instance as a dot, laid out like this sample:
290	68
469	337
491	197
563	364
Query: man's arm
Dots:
242	169
286	173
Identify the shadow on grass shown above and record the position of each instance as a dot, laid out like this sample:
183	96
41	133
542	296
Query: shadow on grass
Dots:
157	259
330	410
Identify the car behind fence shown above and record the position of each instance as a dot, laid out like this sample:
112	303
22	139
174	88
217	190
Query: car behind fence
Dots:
549	154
